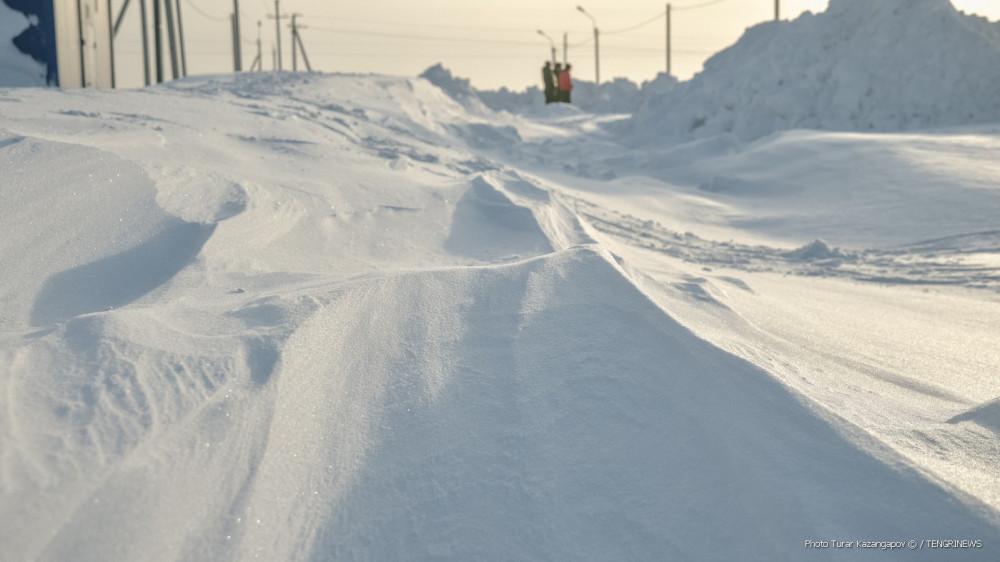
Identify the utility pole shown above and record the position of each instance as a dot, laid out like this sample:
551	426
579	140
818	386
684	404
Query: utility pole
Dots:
295	60
668	39
111	40
298	40
551	43
83	45
597	46
277	29
237	49
158	41
168	6
180	39
145	42
258	60
597	56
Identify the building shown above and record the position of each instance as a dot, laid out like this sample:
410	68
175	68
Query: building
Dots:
69	40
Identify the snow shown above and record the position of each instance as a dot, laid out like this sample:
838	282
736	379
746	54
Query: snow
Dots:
891	65
309	317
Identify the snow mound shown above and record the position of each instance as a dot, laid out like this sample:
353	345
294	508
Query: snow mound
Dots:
815	250
890	65
104	241
545	408
459	89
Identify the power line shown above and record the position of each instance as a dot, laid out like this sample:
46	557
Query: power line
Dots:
410	24
636	26
698	6
199	10
421	37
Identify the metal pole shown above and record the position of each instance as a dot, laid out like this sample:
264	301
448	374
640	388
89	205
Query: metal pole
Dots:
668	38
565	47
111	43
597	56
180	32
158	41
777	10
145	42
597	46
171	35
260	60
551	44
83	44
237	48
277	25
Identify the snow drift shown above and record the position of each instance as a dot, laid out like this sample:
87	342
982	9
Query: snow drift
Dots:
301	317
891	65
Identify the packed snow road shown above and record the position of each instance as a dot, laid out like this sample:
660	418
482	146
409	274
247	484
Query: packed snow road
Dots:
295	317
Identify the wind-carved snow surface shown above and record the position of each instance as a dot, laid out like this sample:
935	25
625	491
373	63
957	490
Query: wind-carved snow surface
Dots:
302	317
890	65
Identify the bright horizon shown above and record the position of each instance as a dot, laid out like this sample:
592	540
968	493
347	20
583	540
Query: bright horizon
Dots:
493	44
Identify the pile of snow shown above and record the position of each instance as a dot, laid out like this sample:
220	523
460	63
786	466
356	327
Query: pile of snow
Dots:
459	89
17	69
303	317
889	65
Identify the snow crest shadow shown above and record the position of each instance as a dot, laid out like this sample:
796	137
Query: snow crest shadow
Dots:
488	224
986	415
120	279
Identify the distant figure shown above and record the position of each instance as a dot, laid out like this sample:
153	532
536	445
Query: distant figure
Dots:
565	83
551	94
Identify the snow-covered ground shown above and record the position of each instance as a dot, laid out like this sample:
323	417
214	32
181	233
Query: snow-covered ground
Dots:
312	317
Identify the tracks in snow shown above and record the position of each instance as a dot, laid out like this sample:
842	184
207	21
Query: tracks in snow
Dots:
970	261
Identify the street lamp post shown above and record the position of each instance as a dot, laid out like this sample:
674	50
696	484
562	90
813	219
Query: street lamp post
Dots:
551	42
597	46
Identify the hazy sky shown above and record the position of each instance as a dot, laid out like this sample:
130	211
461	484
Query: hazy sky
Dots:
493	42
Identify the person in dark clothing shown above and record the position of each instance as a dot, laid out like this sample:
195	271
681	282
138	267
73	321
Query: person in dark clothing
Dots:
551	93
565	83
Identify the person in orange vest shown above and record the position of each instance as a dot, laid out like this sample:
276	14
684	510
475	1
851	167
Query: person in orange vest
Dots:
565	84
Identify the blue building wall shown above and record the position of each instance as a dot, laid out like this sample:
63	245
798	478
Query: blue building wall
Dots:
38	40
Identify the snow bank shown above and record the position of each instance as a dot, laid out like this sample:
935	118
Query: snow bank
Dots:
890	65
